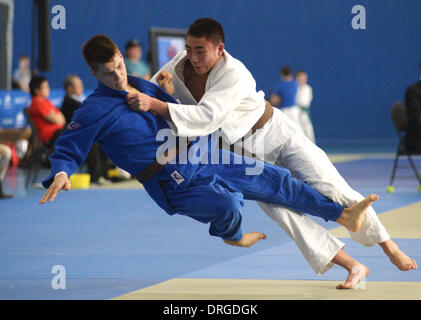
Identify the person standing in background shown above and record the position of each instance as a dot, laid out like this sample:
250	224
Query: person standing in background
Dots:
284	95
304	98
23	74
134	65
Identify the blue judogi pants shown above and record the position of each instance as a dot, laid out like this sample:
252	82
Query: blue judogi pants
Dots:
217	193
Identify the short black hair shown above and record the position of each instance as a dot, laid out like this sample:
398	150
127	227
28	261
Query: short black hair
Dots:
286	71
209	28
36	83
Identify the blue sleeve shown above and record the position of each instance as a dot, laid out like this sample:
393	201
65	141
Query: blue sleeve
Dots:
72	148
227	227
277	89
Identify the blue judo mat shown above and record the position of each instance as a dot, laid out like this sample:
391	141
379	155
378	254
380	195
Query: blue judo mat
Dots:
111	242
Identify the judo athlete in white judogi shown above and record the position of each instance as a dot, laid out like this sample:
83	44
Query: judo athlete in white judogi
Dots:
217	91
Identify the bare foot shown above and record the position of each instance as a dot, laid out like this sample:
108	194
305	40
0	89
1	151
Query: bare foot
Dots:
357	273
247	240
352	218
398	257
402	261
356	270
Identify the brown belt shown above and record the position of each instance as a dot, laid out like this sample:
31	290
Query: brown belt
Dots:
157	165
149	172
267	114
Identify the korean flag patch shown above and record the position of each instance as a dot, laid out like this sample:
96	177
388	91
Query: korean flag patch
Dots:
178	178
73	125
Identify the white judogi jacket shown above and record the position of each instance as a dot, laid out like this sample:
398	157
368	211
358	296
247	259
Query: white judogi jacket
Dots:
230	102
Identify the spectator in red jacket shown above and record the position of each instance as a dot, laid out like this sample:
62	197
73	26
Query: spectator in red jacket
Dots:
48	119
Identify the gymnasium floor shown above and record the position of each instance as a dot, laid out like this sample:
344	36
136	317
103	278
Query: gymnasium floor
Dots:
115	243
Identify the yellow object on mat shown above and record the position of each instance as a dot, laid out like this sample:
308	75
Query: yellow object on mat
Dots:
113	173
80	180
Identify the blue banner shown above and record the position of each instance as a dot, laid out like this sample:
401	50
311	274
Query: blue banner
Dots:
12	103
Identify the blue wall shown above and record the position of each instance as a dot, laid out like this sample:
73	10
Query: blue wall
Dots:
356	75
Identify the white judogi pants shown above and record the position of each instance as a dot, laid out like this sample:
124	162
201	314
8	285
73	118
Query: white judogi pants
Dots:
306	124
286	145
302	119
293	113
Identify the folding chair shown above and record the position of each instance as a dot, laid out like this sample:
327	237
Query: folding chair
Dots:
400	121
36	155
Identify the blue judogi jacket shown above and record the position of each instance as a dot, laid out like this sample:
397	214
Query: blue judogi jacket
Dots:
127	137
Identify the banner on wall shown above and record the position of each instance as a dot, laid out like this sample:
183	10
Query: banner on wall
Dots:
12	103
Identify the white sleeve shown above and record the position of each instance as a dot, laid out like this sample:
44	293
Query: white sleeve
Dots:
153	79
214	107
169	66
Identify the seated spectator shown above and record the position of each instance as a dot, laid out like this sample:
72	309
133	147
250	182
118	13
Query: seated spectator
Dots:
284	95
413	110
73	86
22	75
134	65
5	155
48	120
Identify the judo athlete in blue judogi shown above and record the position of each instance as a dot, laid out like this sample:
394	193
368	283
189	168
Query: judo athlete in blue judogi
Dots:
209	193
